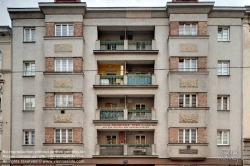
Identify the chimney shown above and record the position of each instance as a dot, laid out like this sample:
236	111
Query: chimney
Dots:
184	1
66	1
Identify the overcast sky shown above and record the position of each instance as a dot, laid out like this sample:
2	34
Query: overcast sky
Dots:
5	19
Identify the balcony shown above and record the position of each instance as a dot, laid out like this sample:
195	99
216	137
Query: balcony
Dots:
112	80
140	149
112	45
139	114
110	149
188	151
111	114
140	45
139	79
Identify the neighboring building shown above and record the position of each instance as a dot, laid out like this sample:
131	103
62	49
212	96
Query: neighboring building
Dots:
135	86
5	93
246	87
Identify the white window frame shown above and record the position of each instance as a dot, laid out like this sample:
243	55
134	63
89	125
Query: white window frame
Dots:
68	97
140	142
184	135
69	67
111	135
184	31
221	133
67	136
222	97
31	140
61	31
221	35
30	72
29	97
185	63
190	99
224	70
32	36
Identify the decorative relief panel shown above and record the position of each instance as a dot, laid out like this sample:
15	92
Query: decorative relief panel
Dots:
63	84
188	118
188	47
63	118
63	48
188	151
188	83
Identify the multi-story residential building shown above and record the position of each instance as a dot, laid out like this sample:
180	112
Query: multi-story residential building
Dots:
135	86
246	82
5	93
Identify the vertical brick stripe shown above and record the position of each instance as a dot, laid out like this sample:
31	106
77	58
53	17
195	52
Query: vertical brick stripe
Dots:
173	135
78	29
173	63
201	135
49	64
202	64
77	135
174	100
78	62
202	99
202	28
77	99
49	100
49	135
174	28
50	29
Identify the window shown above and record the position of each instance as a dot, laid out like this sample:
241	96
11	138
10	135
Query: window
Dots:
223	103
187	65
187	100
140	107
111	46
64	65
188	29
223	137
64	100
187	136
140	45
223	34
29	137
1	59
29	103
64	136
223	68
140	139
65	30
29	34
1	100
111	139
29	69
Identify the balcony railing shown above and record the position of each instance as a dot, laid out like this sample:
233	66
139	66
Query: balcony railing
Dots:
111	80
139	115
111	149
139	149
139	79
140	45
112	114
112	45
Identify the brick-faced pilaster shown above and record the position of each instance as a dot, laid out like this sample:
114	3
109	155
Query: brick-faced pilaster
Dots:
49	135
49	64
49	100
50	29
202	64
78	64
78	29
201	135
174	100
174	28
77	135
173	63
202	28
173	135
202	99
77	99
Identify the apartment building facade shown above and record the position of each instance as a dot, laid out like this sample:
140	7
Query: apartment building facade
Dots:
137	86
5	93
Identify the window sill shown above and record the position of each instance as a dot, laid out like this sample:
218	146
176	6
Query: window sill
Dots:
28	110
29	41
63	144
63	108
223	145
223	75
224	41
28	145
223	110
63	73
188	108
29	76
189	72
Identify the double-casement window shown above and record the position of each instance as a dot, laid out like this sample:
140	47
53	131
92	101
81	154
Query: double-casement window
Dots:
223	68
223	103
188	29
29	103
140	139
29	137
29	34
111	139
223	137
64	65
187	65
64	100
223	34
187	100
64	30
63	135
187	136
29	68
140	107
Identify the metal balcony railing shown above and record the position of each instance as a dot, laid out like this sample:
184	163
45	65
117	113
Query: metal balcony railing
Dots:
111	149
111	80
139	149
140	45
139	114
112	45
139	79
